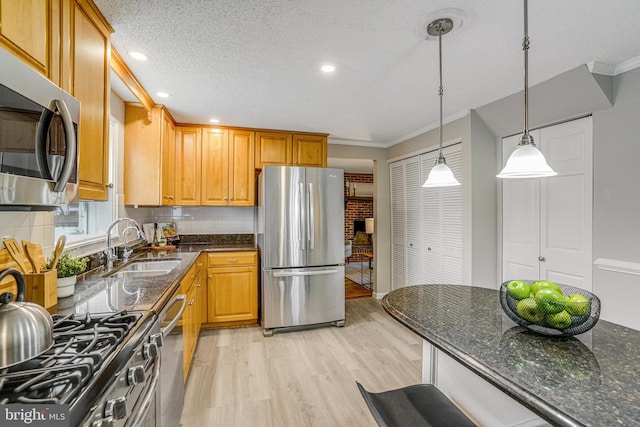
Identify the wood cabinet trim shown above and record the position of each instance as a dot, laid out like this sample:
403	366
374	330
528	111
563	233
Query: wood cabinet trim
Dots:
131	82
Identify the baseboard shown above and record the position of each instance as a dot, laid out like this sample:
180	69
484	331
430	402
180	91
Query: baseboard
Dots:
379	295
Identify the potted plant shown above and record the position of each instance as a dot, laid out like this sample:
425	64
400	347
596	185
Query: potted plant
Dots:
68	269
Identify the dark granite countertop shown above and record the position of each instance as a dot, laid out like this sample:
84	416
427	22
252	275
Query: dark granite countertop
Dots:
592	379
100	292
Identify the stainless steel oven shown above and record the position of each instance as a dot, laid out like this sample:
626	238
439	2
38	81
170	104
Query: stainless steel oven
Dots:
38	138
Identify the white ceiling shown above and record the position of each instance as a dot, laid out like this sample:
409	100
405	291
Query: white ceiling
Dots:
255	63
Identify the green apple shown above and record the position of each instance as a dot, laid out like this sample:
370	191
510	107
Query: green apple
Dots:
544	284
550	301
578	305
527	308
518	289
561	320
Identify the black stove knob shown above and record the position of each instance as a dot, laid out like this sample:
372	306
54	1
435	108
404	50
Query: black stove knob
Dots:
116	408
105	422
158	339
150	351
136	375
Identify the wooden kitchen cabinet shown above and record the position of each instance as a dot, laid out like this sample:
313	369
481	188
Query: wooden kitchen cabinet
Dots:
27	31
192	286
310	150
290	149
188	166
149	156
232	288
88	81
227	167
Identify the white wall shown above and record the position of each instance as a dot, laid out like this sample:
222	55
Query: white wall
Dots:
616	201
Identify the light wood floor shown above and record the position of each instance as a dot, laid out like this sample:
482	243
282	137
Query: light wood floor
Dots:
304	378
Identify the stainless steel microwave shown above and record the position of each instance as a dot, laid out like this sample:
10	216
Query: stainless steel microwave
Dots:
38	139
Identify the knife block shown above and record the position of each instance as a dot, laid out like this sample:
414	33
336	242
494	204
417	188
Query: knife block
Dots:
42	288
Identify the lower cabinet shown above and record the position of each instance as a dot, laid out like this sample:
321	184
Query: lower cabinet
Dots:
192	316
232	288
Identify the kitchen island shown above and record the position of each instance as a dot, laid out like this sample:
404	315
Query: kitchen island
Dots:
588	380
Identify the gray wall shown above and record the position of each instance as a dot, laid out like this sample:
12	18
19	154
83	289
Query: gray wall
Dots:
616	200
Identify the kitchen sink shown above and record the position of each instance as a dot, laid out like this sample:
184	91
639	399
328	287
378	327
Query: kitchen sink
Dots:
144	268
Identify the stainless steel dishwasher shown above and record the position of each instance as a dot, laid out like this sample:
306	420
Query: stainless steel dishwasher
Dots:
171	393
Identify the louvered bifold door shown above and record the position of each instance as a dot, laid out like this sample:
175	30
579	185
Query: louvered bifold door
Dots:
431	224
413	185
452	220
398	226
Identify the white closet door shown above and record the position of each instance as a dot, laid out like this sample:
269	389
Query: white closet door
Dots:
413	185
547	221
566	204
520	221
398	226
452	220
431	224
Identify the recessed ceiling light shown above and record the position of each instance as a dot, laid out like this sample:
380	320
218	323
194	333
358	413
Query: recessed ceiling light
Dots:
138	55
214	120
162	94
328	68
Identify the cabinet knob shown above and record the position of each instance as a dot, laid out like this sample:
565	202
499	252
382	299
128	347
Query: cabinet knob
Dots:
541	258
224	198
230	198
232	259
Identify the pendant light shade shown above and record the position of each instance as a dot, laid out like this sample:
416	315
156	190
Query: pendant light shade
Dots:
440	175
526	161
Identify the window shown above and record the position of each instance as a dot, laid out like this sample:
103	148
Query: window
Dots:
87	221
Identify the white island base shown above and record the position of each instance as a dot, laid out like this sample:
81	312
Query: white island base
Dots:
483	403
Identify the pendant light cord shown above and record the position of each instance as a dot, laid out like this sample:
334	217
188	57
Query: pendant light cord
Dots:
440	89
525	48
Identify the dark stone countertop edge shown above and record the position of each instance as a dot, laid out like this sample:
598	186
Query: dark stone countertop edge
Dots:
540	407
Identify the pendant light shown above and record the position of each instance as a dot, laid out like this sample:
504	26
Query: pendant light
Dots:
440	175
526	161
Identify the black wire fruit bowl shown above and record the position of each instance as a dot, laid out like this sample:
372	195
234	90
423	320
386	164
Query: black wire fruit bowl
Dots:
549	308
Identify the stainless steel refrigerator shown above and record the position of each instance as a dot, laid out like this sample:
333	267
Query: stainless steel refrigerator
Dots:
301	241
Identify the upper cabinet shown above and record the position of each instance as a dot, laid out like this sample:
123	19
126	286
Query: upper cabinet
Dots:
188	166
310	150
292	149
27	31
149	157
89	83
214	167
68	41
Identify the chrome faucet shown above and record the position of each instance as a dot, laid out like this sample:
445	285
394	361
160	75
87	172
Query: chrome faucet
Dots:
110	251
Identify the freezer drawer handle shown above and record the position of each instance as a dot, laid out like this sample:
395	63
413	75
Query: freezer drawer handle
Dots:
303	273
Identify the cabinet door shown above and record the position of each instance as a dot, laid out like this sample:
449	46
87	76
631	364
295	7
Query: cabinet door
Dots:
398	226
188	166
25	30
273	149
142	156
310	150
242	187
232	294
215	167
168	145
90	57
189	317
201	294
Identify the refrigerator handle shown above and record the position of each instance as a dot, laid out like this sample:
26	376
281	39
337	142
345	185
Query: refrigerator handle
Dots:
301	223
286	273
311	222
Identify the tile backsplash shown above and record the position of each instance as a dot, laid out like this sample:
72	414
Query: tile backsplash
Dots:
200	219
37	227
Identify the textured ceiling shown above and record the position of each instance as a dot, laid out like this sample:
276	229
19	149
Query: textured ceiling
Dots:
256	63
